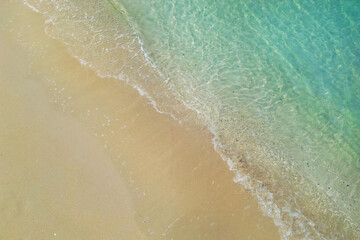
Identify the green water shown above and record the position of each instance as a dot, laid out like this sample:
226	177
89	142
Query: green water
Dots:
284	75
277	82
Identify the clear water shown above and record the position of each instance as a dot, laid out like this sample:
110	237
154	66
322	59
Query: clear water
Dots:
278	83
291	67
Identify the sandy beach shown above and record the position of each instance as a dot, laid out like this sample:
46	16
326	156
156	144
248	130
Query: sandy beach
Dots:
84	157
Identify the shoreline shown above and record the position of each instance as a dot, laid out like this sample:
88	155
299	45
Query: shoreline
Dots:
115	158
134	69
304	202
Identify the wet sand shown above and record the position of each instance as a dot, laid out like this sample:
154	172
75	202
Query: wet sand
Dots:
83	157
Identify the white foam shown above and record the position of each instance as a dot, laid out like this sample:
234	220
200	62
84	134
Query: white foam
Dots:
265	200
31	6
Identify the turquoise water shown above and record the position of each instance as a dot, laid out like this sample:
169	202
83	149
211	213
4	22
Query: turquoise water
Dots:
284	75
277	82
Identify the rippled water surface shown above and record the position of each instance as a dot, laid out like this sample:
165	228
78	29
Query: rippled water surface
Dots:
291	67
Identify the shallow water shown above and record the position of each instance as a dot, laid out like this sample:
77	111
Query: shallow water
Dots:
276	82
290	67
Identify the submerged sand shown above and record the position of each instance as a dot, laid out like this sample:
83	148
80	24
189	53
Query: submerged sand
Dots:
83	157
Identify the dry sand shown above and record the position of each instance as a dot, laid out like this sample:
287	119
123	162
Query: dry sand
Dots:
83	157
